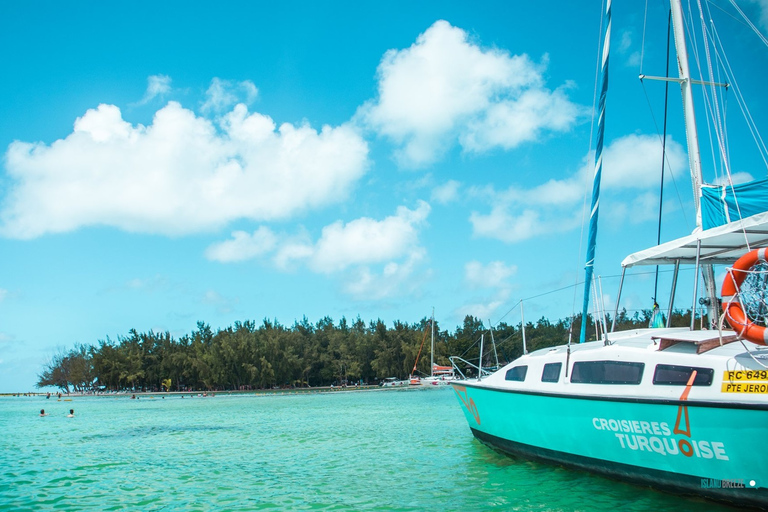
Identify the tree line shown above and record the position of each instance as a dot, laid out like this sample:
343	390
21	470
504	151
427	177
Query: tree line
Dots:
250	356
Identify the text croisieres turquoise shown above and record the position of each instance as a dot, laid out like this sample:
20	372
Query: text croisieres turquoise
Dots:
675	408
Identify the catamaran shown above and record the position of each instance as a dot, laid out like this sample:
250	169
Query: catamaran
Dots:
677	409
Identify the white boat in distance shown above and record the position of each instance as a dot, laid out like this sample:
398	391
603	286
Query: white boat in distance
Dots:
674	408
438	375
393	382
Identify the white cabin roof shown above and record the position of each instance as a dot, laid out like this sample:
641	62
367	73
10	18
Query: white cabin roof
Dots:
720	245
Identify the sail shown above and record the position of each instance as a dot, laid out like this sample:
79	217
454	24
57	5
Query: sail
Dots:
594	210
719	205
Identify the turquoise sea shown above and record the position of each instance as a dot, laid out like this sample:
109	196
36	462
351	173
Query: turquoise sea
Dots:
394	450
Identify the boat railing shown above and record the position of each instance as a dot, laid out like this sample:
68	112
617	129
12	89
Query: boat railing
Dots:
456	360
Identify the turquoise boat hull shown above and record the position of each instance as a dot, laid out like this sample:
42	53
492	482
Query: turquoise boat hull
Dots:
705	449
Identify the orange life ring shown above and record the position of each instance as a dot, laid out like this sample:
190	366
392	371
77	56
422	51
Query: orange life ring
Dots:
735	315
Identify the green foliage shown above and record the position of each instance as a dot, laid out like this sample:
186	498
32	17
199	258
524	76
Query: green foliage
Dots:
244	356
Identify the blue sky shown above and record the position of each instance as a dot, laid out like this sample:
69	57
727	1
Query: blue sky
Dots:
171	162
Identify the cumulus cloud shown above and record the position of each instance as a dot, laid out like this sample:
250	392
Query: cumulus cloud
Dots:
243	246
366	240
737	178
447	192
395	278
157	86
445	89
376	258
182	174
223	94
631	58
482	309
555	206
763	12
493	278
492	275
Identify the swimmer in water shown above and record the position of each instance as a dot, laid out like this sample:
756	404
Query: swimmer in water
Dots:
42	413
71	413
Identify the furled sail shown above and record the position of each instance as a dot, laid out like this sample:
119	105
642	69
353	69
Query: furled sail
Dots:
722	204
594	210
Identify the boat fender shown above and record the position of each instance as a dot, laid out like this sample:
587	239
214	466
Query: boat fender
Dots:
734	313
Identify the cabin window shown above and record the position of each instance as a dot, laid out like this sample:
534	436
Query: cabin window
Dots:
517	373
672	375
551	372
607	372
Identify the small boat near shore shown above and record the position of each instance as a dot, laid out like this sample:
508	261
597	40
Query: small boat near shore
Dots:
393	382
438	375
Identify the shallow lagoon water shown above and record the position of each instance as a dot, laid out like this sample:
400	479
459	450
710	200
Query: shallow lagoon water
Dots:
394	450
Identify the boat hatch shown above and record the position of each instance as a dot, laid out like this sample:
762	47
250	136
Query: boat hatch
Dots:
702	345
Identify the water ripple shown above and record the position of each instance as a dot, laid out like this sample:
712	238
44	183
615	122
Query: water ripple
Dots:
392	451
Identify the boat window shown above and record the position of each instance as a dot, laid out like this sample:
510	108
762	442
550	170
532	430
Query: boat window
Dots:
551	372
607	372
517	373
672	375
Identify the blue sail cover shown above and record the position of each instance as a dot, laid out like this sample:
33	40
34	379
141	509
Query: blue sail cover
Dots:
718	205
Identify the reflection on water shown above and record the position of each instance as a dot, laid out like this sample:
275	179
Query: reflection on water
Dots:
380	450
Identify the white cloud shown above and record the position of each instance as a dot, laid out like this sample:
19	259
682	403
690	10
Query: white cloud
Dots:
624	49
243	246
763	8
447	192
377	258
3	294
737	178
395	278
634	161
180	175
366	240
492	275
555	206
482	310
445	88
157	86
509	227
223	94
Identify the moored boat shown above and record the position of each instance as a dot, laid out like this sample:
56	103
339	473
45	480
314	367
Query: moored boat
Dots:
438	375
675	408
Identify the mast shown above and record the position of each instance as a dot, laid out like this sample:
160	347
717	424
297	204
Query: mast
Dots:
692	138
691	132
592	240
432	351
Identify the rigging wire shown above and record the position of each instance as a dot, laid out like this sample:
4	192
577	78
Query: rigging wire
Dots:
740	101
749	23
663	152
642	44
683	211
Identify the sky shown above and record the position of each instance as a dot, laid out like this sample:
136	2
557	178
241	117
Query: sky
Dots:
165	163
